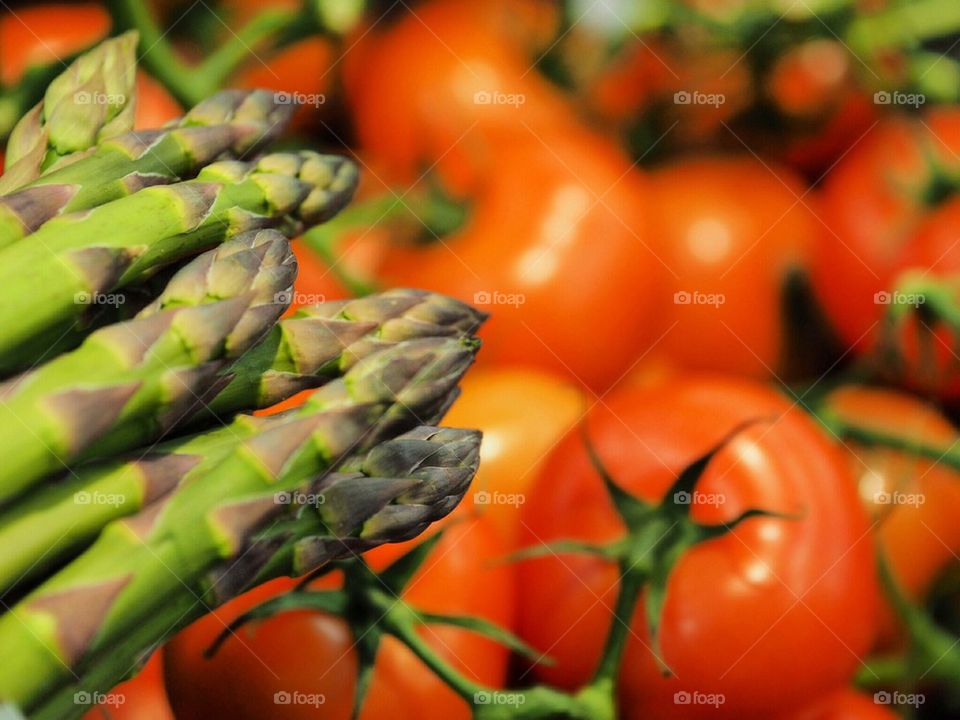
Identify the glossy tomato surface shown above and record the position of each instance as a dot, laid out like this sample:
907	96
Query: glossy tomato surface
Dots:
767	616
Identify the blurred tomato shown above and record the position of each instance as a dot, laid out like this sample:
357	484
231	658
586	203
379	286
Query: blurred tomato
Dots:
439	84
523	414
731	232
557	248
890	206
314	653
775	598
42	34
844	705
915	501
140	698
301	72
155	106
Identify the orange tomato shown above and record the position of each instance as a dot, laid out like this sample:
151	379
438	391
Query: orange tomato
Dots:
155	106
523	414
143	697
37	35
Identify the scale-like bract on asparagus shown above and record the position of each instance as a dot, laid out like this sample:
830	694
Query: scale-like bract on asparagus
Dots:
231	123
139	564
323	341
88	254
129	382
89	102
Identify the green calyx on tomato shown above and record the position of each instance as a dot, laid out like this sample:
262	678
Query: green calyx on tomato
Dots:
371	603
657	536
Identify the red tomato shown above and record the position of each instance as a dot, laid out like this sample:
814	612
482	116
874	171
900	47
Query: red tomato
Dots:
42	34
889	208
845	705
775	598
438	85
557	248
314	653
523	414
140	698
914	500
729	260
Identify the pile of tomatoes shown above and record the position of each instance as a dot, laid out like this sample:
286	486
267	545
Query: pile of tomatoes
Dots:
666	269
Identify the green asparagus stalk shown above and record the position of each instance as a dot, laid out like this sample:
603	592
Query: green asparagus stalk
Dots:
426	471
129	382
89	102
232	122
323	341
117	244
139	564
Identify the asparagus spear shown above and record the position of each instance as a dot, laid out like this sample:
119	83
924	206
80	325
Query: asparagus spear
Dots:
323	341
139	564
95	252
235	122
89	102
428	469
132	380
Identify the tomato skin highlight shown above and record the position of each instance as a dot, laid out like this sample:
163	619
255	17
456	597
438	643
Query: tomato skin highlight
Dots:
314	654
729	261
732	623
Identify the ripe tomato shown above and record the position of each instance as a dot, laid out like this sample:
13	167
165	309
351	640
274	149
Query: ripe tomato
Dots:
843	705
437	86
776	598
302	71
729	260
914	500
314	654
155	106
523	414
42	34
890	208
556	248
140	698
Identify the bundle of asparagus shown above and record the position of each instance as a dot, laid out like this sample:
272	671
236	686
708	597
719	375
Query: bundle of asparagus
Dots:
135	493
